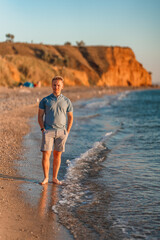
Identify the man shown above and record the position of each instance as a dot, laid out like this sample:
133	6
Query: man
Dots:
54	108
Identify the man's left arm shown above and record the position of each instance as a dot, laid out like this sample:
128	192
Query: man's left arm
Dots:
70	121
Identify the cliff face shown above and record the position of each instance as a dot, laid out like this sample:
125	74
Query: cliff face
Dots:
123	69
98	65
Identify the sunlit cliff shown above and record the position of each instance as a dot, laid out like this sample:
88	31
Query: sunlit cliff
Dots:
87	65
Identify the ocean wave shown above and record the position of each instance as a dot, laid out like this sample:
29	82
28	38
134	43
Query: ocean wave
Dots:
81	193
102	102
97	104
123	95
88	163
87	117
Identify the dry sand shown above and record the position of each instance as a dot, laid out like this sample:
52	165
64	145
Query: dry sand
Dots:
18	219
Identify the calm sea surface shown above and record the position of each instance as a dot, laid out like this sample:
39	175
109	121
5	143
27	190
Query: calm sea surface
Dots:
111	168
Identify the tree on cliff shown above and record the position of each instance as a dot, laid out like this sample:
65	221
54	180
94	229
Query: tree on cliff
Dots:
67	44
80	44
9	37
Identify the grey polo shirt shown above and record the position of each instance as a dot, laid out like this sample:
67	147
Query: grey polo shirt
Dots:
55	109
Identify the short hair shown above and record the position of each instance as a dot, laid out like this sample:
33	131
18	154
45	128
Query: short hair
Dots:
58	78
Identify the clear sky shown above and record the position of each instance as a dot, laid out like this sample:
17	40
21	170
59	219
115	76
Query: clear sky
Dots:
131	23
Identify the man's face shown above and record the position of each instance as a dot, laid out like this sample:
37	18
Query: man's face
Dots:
57	86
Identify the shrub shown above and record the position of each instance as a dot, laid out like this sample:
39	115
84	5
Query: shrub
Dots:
10	37
67	44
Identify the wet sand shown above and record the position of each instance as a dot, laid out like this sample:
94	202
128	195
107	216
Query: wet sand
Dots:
20	220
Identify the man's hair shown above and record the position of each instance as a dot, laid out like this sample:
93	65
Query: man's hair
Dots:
58	78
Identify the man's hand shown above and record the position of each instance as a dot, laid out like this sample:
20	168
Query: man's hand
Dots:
70	121
40	118
43	129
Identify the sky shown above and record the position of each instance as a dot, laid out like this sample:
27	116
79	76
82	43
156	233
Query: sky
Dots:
125	23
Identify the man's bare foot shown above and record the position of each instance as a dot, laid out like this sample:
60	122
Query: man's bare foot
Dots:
55	180
44	181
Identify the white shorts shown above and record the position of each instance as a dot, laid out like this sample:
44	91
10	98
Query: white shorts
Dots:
54	138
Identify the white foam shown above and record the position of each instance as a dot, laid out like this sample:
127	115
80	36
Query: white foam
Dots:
54	209
106	136
123	95
74	191
96	146
68	162
88	117
100	104
80	166
62	202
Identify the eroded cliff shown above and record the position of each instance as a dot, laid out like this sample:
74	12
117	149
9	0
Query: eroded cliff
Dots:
94	65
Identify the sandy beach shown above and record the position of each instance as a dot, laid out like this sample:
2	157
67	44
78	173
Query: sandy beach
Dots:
19	220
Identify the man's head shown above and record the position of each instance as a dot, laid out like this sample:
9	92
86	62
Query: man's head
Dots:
57	85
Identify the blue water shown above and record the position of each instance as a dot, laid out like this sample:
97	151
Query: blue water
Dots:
111	168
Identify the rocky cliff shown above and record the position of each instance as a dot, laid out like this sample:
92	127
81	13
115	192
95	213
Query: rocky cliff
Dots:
94	65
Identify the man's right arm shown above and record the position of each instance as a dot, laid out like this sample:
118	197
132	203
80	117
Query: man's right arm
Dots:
40	118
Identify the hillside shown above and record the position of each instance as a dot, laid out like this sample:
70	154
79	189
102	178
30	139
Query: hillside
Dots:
89	65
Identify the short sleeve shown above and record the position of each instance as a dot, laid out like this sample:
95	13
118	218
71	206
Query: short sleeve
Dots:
70	106
42	104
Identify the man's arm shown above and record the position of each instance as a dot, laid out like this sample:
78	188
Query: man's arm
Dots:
40	118
70	121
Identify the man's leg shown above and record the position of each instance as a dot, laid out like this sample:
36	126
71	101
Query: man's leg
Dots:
45	165
56	165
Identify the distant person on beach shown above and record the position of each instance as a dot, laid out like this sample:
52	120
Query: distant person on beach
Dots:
52	117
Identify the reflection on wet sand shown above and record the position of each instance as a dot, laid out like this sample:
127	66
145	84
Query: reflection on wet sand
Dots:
51	228
48	198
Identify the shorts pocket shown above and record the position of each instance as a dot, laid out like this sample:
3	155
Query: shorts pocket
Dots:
65	132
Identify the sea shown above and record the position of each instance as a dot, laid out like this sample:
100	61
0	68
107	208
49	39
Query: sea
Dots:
111	169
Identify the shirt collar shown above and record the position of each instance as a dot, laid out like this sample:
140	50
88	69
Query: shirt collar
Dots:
56	97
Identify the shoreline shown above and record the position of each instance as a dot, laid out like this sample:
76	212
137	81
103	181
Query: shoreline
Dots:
19	219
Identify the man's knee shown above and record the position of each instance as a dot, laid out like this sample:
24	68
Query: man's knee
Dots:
57	154
46	154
